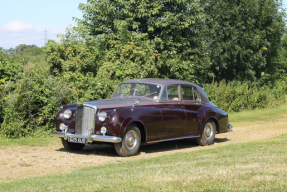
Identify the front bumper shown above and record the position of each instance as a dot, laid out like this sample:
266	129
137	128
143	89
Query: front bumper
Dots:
91	137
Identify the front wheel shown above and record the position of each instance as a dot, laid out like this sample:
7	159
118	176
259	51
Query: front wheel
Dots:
130	143
72	146
208	134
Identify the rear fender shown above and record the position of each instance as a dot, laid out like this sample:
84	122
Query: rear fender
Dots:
204	114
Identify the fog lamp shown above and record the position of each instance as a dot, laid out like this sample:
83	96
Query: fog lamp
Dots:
103	130
102	116
63	126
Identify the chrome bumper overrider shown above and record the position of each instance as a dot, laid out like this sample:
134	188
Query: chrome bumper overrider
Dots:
230	127
90	137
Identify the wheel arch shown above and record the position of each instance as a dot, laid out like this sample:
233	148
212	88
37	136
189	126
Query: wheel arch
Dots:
216	123
141	127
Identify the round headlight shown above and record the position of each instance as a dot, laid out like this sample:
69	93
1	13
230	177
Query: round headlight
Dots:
102	116
67	114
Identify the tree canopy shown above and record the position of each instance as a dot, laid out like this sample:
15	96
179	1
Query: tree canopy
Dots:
193	40
244	37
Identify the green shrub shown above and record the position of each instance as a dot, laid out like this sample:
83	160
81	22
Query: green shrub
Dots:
236	96
32	103
10	71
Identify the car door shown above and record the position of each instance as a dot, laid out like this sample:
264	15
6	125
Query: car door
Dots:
191	103
173	113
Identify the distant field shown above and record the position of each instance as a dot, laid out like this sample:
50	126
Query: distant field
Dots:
252	158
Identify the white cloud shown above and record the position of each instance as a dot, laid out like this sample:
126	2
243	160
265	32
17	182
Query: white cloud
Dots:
17	32
20	26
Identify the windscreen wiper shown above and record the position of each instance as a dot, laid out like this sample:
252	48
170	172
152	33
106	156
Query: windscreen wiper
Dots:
149	94
127	92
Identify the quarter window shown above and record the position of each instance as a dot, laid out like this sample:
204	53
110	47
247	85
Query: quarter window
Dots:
189	93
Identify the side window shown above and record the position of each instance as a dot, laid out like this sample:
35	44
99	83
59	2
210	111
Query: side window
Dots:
170	92
189	93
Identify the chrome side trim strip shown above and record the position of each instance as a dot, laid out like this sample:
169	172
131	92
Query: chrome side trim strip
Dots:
175	138
109	139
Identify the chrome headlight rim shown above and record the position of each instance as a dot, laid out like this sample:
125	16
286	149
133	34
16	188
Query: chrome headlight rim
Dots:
67	114
104	130
62	126
102	116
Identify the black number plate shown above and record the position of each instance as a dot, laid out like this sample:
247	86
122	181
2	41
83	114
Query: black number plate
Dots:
77	140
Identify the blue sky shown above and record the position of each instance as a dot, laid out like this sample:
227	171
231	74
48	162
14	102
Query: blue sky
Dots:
24	22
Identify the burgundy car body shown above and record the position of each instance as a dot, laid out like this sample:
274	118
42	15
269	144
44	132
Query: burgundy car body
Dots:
157	120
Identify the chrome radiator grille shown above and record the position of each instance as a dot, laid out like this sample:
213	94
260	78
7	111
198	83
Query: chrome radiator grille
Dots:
85	119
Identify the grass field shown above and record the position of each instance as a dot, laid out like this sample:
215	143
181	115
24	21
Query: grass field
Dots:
31	142
250	166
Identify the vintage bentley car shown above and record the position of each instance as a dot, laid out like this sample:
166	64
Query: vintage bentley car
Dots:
141	112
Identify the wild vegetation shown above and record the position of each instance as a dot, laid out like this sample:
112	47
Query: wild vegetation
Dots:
235	46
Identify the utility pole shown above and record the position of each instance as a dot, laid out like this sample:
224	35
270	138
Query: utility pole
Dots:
46	36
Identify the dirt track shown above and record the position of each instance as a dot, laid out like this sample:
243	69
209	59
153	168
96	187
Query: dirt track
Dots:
24	162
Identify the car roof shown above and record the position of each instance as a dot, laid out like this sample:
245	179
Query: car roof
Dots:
164	82
159	81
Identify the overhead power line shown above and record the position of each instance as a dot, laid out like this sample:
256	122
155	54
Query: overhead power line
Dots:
46	36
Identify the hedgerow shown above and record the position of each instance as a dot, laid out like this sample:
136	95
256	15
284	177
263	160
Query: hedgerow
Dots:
237	96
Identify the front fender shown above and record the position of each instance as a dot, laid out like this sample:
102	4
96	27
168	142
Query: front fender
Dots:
126	123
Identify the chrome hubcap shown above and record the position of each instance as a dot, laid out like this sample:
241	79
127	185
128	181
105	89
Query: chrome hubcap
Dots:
208	131
131	140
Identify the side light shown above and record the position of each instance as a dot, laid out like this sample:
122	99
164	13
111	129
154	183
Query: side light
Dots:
63	126
102	116
103	130
67	114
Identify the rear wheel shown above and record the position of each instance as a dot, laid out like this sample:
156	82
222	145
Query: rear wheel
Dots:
72	146
208	134
130	143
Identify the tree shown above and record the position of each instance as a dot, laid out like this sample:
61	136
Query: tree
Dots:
280	72
169	32
244	37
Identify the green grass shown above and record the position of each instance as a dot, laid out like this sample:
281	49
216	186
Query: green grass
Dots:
258	114
30	141
253	166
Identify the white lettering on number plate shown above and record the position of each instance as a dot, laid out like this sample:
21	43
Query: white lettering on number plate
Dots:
77	140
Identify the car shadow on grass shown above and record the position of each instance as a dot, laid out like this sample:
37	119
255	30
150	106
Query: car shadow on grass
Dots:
94	149
175	145
108	149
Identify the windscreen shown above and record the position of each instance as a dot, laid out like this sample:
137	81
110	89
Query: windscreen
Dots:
138	90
